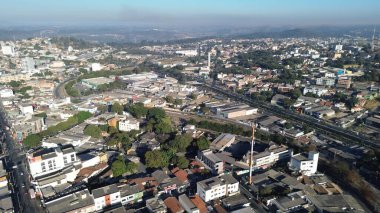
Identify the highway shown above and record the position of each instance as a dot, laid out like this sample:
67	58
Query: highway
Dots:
14	158
317	124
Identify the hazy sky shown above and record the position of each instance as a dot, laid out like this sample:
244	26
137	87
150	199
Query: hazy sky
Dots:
192	12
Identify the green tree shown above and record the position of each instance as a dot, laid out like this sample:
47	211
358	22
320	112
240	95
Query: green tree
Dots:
296	93
150	125
288	125
169	99
156	113
202	143
70	90
119	167
41	115
177	102
181	162
93	131
306	129
118	108
181	142
288	103
193	96
32	141
82	116
351	102
113	142
112	130
15	84
137	110
156	159
131	167
163	126
102	108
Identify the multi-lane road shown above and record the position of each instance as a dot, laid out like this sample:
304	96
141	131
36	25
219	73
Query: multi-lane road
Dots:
14	159
59	90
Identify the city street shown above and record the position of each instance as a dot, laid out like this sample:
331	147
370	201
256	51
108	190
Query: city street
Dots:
14	159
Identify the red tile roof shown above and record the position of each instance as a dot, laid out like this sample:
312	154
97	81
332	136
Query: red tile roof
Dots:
181	175
173	205
198	202
88	171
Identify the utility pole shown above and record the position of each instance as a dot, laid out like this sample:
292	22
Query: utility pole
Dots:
251	154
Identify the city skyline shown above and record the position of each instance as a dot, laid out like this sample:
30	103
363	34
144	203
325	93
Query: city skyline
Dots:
243	13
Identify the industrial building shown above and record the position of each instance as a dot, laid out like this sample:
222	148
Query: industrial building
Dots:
235	110
94	83
222	141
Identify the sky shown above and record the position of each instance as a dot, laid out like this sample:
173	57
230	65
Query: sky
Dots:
192	12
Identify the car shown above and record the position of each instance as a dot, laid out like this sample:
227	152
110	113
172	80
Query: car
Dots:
21	173
23	185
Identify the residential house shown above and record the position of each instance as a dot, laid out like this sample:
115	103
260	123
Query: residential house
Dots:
106	196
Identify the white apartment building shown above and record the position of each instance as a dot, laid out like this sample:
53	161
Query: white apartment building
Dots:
44	161
315	90
217	187
306	164
6	93
106	196
269	157
210	161
128	125
338	47
325	81
187	52
8	49
26	109
96	67
29	65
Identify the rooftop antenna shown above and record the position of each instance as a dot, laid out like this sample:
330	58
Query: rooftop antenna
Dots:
373	39
251	155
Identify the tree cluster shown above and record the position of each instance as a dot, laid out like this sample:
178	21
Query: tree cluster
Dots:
93	131
35	139
137	110
120	167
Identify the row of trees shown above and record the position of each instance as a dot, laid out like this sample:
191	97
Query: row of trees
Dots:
350	179
218	127
34	140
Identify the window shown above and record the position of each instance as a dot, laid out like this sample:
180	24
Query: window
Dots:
65	160
72	157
